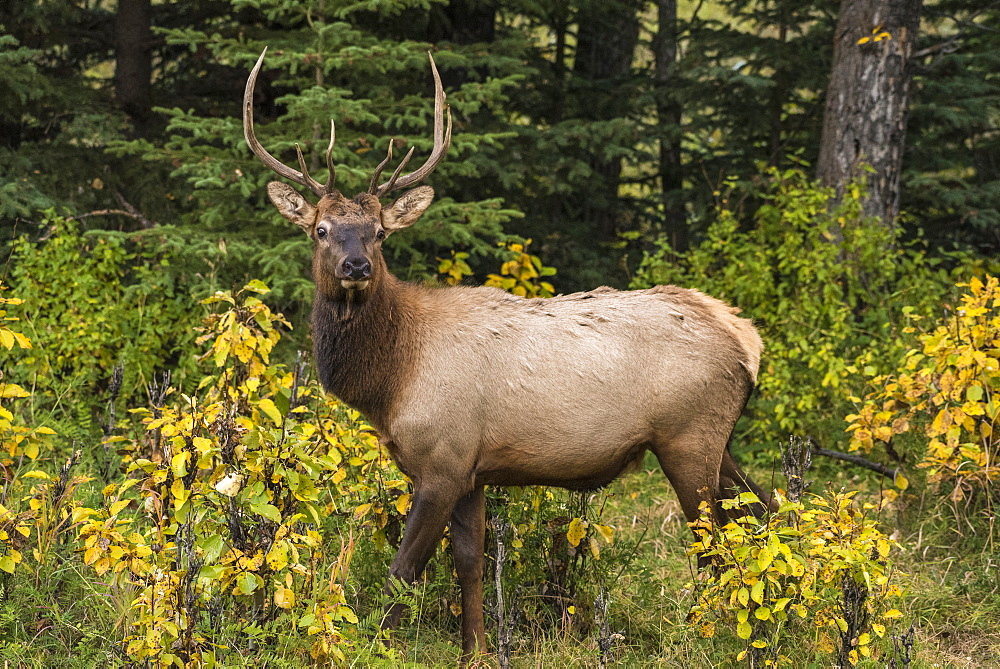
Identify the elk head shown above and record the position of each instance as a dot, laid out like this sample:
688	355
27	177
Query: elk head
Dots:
348	233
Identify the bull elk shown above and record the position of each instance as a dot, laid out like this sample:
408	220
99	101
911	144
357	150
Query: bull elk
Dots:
471	386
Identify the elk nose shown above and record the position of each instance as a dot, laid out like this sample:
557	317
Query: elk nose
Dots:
357	269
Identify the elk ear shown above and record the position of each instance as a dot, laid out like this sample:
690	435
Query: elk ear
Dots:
405	211
291	204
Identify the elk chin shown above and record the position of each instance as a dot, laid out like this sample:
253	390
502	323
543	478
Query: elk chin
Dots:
354	285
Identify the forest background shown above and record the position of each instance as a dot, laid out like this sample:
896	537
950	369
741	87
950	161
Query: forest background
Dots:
832	169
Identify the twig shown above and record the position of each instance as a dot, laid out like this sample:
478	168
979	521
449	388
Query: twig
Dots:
126	210
857	460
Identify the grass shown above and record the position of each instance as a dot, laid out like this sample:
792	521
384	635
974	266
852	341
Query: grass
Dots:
64	615
951	597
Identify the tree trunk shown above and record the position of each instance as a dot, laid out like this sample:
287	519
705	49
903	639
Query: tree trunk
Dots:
867	99
133	62
668	112
471	21
607	35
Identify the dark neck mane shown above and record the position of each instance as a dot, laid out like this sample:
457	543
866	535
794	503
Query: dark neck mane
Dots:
363	343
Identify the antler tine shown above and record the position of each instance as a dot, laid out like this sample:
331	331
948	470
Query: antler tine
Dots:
331	170
442	140
270	161
373	186
373	182
399	168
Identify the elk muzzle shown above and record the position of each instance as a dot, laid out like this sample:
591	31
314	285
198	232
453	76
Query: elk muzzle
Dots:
355	273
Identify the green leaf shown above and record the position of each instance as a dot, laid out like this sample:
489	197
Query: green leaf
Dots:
211	571
246	583
178	464
212	547
757	592
257	286
7	564
269	511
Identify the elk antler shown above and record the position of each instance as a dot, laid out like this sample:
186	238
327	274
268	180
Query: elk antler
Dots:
442	140
273	163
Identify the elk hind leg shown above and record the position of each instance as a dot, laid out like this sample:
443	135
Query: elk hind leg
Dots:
693	471
468	536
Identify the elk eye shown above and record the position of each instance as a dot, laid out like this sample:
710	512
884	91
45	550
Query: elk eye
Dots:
380	235
320	232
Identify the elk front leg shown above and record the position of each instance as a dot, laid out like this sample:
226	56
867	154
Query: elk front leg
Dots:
424	529
468	535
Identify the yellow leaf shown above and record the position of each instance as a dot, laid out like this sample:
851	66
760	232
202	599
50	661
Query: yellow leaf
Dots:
283	597
269	408
595	550
118	506
7	564
606	532
893	613
403	503
179	462
12	390
757	592
900	481
577	531
277	557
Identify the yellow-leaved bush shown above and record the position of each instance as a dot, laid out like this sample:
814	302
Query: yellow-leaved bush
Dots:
31	517
230	489
522	273
818	570
945	393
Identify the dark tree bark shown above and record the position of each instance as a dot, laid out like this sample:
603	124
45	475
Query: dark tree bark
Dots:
471	21
867	99
607	35
668	112
133	61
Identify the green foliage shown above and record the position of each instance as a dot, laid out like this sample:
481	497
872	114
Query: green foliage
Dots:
825	287
553	553
95	302
941	405
322	67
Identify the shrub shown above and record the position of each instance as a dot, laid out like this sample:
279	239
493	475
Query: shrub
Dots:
94	303
941	403
821	564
